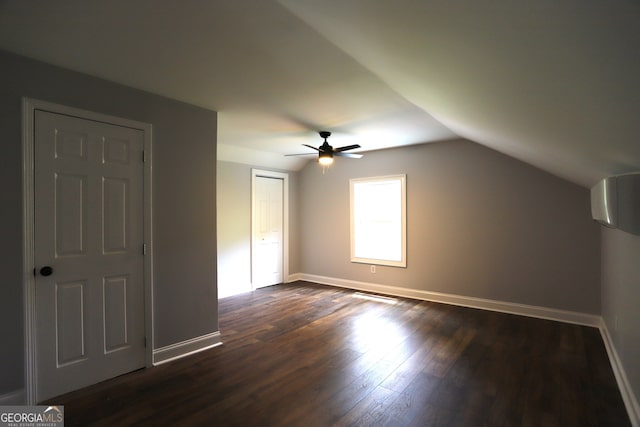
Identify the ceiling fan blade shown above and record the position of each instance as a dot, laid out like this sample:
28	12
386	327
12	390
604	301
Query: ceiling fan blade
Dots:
311	146
348	147
350	155
301	154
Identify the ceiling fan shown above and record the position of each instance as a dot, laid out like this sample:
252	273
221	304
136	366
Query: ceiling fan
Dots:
326	152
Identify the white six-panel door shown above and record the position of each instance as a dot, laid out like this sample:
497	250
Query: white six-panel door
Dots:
267	247
89	230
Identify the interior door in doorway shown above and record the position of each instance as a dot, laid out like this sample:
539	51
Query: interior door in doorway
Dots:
88	240
267	248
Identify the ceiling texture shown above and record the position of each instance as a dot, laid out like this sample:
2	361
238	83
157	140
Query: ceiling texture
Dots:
554	83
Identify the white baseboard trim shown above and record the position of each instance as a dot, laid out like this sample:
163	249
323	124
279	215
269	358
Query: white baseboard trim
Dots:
14	398
472	302
185	348
628	396
293	277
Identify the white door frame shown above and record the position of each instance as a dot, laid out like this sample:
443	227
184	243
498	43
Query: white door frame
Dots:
29	106
255	173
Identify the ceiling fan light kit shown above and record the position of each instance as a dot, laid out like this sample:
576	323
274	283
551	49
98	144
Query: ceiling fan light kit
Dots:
325	159
326	152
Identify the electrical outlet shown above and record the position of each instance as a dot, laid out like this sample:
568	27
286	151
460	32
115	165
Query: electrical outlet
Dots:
373	269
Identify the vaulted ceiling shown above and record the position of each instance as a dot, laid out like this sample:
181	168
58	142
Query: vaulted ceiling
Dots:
554	83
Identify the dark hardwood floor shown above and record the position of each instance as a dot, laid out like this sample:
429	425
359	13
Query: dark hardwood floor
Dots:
303	354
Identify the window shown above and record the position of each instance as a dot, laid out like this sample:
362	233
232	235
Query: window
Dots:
378	220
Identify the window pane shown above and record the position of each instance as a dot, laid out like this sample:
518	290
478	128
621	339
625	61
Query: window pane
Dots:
377	220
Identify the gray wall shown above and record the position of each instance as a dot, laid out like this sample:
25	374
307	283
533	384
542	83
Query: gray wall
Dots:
234	226
184	204
479	224
620	298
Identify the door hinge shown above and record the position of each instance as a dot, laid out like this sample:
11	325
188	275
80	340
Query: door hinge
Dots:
144	156
145	342
144	249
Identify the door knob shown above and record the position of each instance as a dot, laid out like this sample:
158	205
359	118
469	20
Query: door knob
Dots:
46	271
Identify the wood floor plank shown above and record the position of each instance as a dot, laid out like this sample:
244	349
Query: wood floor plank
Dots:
303	354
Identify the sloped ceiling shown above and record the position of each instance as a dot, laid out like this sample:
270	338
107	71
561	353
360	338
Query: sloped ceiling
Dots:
554	83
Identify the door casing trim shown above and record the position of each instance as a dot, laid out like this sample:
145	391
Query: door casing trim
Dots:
29	106
285	218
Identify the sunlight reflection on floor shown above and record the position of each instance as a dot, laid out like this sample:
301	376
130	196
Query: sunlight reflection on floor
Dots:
376	334
376	298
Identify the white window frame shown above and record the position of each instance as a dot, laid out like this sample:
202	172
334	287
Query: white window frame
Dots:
356	183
